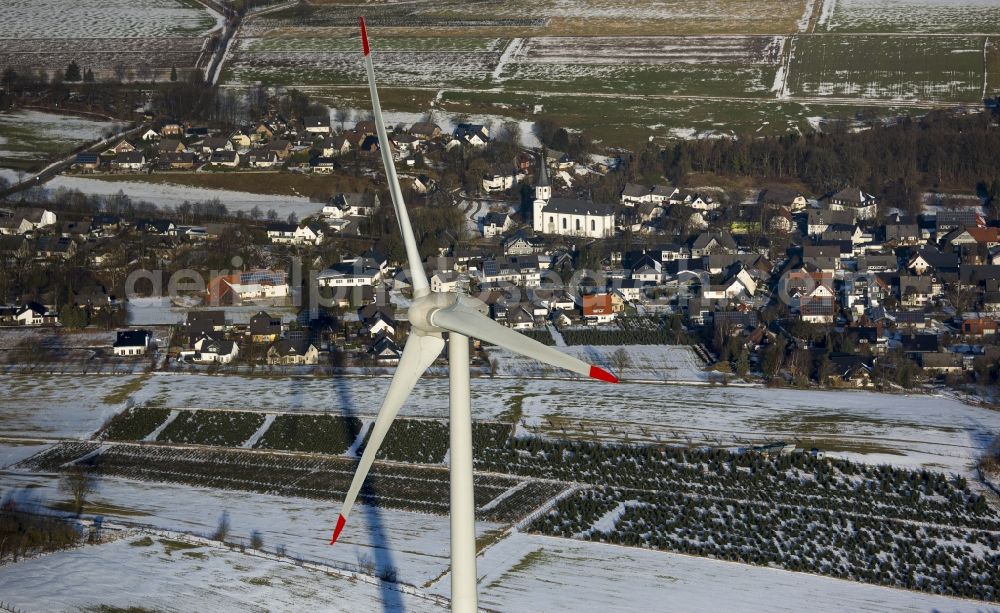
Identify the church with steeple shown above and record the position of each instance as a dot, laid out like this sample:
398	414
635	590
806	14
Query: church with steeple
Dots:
568	216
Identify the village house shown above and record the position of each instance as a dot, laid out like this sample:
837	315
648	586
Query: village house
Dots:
55	247
262	158
472	134
860	204
349	274
333	146
132	342
601	308
34	314
708	243
425	130
183	160
25	220
207	349
228	159
384	351
523	244
495	224
131	161
280	233
246	286
351	204
86	161
316	124
516	270
444	281
264	328
293	352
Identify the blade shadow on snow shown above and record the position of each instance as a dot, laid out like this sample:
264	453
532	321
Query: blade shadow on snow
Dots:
392	601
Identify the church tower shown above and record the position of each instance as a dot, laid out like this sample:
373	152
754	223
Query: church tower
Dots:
543	193
543	189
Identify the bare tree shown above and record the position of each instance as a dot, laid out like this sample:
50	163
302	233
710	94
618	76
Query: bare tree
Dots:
120	71
78	482
222	530
620	360
341	116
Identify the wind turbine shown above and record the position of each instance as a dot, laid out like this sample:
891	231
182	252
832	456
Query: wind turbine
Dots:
431	314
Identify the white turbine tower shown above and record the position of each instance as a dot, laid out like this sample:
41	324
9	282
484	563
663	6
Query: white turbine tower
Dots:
431	314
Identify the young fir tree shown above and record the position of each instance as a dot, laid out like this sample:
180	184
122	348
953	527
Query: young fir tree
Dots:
72	72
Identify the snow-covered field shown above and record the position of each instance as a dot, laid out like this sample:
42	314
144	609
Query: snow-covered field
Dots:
161	311
13	451
642	362
30	134
167	194
538	573
415	544
906	430
70	406
107	19
160	575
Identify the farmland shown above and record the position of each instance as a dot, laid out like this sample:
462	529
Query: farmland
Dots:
553	17
116	39
663	70
142	573
897	68
29	137
108	19
855	521
935	16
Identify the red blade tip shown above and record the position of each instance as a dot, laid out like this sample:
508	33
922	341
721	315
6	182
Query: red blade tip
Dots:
596	372
340	526
364	35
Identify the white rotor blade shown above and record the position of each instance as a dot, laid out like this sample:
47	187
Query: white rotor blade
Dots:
419	353
417	277
463	317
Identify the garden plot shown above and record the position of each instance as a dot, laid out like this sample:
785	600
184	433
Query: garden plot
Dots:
528	572
27	136
70	406
733	66
901	68
945	16
72	19
144	573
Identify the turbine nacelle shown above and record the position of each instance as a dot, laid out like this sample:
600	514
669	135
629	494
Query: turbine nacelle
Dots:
422	309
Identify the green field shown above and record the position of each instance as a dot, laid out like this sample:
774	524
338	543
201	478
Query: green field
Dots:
945	68
937	16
